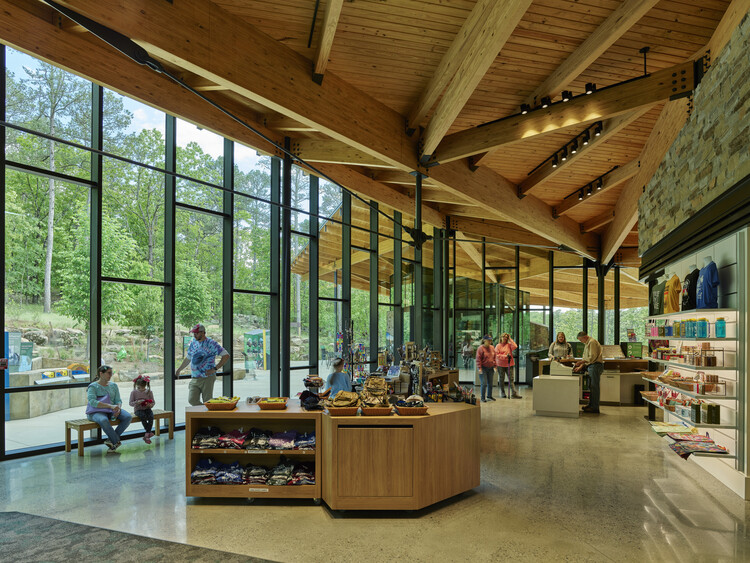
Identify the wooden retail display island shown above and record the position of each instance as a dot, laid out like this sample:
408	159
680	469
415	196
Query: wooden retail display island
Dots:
361	462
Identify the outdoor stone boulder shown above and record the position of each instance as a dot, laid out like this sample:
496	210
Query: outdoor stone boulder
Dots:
37	337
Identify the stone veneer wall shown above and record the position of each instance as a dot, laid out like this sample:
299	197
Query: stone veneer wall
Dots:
711	153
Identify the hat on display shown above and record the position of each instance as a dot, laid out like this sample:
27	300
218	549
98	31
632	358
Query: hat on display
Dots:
197	328
487	337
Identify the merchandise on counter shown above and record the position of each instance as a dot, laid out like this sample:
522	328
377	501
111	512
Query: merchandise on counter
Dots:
684	449
257	439
672	292
666	427
207	438
375	392
283	440
411	401
313	381
689	437
310	401
345	399
281	474
689	285
305	441
233	440
219	400
707	289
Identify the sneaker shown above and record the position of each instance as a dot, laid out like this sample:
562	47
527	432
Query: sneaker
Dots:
146	439
490	398
109	444
484	400
590	410
516	397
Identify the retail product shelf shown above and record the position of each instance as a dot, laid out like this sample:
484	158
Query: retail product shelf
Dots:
690	393
249	416
251	452
691	312
728	339
692	367
690	422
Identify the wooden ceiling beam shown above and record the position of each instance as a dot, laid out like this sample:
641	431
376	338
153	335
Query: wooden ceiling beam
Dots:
599	221
601	39
604	103
628	257
333	152
500	231
485	40
328	32
610	128
220	43
474	254
398	177
283	123
609	181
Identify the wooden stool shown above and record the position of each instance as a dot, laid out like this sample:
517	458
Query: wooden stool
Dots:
83	424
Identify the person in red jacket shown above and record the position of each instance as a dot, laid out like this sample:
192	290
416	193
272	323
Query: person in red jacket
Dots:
504	362
486	367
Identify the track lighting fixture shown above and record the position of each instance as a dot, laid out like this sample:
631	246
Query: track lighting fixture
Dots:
599	184
590	190
598	129
580	195
554	161
574	147
586	137
564	154
590	88
546	101
525	108
566	95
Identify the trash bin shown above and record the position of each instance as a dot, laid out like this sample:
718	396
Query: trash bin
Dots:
637	398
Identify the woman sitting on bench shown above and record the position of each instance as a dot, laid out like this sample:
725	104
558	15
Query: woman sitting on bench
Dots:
105	406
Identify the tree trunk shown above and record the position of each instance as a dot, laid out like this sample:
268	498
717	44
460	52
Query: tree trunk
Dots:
50	224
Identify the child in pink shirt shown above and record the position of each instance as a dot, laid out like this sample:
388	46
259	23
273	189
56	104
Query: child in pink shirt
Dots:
142	399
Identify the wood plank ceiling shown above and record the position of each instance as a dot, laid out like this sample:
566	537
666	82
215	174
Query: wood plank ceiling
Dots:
451	67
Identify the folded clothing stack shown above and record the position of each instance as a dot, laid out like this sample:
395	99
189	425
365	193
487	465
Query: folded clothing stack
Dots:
283	440
204	472
231	474
257	439
207	438
303	474
255	474
282	473
305	441
310	401
233	440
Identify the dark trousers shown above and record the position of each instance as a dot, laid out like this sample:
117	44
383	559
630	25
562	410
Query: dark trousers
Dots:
147	418
594	372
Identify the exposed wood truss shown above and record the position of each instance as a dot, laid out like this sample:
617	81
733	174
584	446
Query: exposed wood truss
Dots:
328	31
608	181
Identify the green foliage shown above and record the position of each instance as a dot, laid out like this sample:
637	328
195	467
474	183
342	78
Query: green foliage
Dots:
192	303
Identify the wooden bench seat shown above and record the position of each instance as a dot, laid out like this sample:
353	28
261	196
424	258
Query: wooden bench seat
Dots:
83	424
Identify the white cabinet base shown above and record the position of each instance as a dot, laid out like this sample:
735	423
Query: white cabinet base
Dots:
556	395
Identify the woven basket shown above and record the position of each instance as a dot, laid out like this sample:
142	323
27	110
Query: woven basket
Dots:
411	411
343	411
221	406
272	406
376	411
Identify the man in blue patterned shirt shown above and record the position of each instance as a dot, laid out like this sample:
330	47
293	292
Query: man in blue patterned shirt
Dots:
201	355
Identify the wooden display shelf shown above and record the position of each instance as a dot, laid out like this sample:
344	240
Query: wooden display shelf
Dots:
690	393
690	422
254	491
248	416
691	339
692	367
691	312
250	452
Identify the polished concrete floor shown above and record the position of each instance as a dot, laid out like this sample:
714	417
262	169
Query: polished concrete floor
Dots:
597	488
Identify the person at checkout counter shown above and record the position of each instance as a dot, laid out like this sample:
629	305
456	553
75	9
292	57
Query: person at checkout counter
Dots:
560	348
